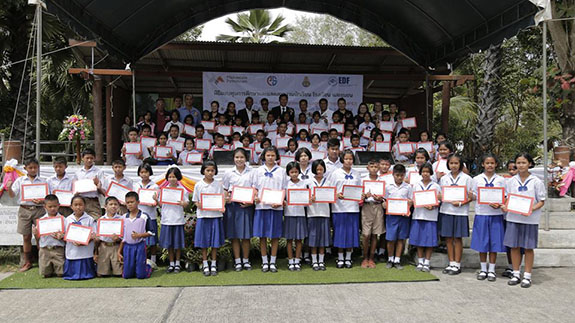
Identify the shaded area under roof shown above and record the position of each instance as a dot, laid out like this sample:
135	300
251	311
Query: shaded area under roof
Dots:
431	33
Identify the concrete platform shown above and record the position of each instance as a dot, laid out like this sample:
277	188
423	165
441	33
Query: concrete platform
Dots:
543	258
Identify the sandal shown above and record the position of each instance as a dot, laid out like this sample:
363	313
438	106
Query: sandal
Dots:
526	283
170	269
339	264
297	267
482	275
206	271
291	267
491	276
515	280
247	266
348	264
238	267
177	269
425	269
322	266
315	266
273	268
214	271
265	268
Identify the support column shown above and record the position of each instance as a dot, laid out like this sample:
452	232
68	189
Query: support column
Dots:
109	147
445	96
97	107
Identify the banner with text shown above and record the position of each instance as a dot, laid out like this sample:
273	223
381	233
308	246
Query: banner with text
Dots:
235	87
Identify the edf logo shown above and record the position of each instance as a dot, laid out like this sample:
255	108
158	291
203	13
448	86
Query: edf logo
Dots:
343	80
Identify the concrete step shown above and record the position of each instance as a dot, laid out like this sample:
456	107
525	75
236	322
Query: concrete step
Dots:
543	258
552	239
557	220
560	204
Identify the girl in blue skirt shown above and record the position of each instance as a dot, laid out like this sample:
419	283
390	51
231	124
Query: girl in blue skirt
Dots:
294	226
239	217
145	171
319	231
79	263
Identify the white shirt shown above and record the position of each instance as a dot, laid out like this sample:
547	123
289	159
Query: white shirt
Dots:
184	156
124	181
363	127
234	177
481	180
535	189
331	166
74	252
17	187
338	179
277	181
317	209
462	179
295	210
63	184
93	172
148	209
48	241
215	187
174	214
177	123
306	174
421	213
403	191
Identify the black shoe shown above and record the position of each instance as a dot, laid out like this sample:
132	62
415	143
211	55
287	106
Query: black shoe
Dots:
348	264
454	271
447	270
508	273
297	267
247	266
170	269
515	280
482	275
273	268
307	260
213	271
238	267
322	266
339	264
315	266
291	267
265	268
491	276
177	269
206	271
526	283
397	265
389	265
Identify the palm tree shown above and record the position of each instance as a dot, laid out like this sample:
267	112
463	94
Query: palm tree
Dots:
256	27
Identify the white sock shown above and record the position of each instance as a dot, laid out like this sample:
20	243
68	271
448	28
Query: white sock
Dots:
245	260
297	260
491	268
314	258
205	262
321	257
172	263
527	275
237	261
452	264
484	266
177	262
273	259
214	263
397	260
390	259
340	256
420	260
458	265
153	258
290	261
516	273
426	262
348	255
264	259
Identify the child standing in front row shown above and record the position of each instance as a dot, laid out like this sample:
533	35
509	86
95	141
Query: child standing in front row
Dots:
371	218
79	258
210	225
522	231
397	226
511	171
132	250
294	226
345	213
145	171
319	233
106	252
51	254
62	181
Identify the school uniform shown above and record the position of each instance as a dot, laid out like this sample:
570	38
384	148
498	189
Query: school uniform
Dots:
267	220
63	184
397	226
281	151
150	211
401	158
439	166
173	221
238	220
28	211
365	128
423	232
172	123
331	166
160	160
183	157
124	181
108	263
79	262
51	256
488	227
93	206
306	174
318	221
134	250
522	231
454	220
210	225
371	215
133	160
295	224
345	213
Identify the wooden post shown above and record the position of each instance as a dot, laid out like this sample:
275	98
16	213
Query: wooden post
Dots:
109	146
445	97
97	107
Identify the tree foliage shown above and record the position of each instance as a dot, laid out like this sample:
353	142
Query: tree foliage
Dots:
256	26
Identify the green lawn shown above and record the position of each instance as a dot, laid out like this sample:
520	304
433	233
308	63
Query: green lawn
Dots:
32	280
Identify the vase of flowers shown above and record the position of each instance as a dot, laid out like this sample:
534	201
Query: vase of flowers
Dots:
76	127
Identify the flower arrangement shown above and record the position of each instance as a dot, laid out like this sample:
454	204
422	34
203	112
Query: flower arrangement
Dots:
76	127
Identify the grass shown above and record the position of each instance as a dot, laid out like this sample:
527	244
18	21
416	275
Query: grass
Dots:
32	280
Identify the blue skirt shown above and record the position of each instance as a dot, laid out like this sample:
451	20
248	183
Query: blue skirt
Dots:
79	269
135	261
521	235
423	233
268	223
238	221
152	227
346	230
295	227
209	233
397	227
319	233
172	236
488	233
453	226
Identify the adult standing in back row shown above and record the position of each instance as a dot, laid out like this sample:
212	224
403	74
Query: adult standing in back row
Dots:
278	111
188	109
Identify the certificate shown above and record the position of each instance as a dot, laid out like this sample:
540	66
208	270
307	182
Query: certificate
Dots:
298	196
386	126
272	197
454	193
119	191
238	129
300	126
374	187
225	147
336	126
194	158
316	154
170	195
257	146
78	233
383	146
243	194
490	195
414	178
148	141
352	192
190	130
147	196
366	134
397	206
163	152
284	160
178	145
212	202
64	197
441	166
34	191
425	198
386	136
282	142
317	130
427	145
49	225
252	129
110	227
409	123
203	144
346	141
405	148
84	186
304	144
133	148
224	130
520	204
237	144
209	125
290	129
326	194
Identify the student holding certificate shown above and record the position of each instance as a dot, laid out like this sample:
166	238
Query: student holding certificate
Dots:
90	171
79	263
268	217
61	181
421	158
522	229
397	226
163	153
133	151
345	212
488	227
295	224
106	252
423	232
454	214
371	214
188	149
51	247
132	249
210	225
399	156
444	150
239	216
319	231
118	166
145	171
26	189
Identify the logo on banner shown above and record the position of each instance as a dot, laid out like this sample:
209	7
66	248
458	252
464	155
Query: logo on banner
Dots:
219	80
332	80
306	82
341	80
272	80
